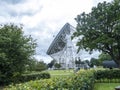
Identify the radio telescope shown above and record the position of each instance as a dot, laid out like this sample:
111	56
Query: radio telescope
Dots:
62	48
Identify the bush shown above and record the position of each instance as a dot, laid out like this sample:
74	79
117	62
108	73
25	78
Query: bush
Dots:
80	81
107	75
16	50
28	77
83	80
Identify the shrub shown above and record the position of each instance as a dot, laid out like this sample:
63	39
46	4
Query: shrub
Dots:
28	77
80	81
83	81
107	75
16	50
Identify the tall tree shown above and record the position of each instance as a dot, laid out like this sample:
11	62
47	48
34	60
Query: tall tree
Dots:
31	65
100	29
16	50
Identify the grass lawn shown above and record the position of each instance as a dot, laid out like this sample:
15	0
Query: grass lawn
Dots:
60	73
106	86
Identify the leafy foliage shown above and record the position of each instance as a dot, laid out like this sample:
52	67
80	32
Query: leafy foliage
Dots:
100	29
40	66
15	51
83	80
51	64
80	81
57	65
95	62
35	76
107	75
35	65
104	57
31	65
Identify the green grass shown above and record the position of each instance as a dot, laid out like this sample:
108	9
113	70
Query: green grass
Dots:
106	86
55	73
60	73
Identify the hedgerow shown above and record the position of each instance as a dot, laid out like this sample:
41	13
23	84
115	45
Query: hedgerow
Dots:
83	80
108	75
27	77
80	81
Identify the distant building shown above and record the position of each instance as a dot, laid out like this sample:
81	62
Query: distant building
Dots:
110	64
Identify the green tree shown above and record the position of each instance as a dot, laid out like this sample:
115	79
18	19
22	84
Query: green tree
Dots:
51	64
87	62
16	50
94	61
77	60
100	29
31	65
103	56
57	65
40	66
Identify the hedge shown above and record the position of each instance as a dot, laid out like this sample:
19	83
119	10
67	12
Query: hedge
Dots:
26	78
109	75
83	80
80	81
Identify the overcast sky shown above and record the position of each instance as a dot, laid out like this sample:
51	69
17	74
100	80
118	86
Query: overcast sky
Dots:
44	18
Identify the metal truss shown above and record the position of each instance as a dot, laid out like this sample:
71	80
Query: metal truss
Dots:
62	48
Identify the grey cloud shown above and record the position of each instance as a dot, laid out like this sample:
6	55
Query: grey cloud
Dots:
11	12
14	13
10	8
43	42
12	1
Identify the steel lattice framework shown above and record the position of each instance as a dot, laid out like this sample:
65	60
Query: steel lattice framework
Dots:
62	48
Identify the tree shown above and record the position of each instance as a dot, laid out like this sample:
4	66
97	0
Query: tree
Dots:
104	57
31	65
78	62
100	29
94	61
51	64
57	65
35	65
16	50
87	62
40	66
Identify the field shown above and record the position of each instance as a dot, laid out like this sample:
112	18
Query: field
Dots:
60	73
106	86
